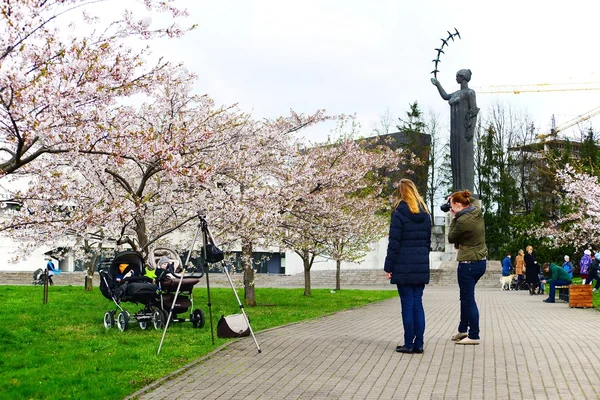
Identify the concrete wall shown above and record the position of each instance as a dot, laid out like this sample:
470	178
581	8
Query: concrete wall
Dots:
376	257
363	278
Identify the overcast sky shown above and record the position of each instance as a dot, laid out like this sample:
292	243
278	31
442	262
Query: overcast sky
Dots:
363	57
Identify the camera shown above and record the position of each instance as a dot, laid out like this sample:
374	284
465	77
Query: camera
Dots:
446	206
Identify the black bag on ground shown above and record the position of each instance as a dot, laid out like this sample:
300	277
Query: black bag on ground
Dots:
232	326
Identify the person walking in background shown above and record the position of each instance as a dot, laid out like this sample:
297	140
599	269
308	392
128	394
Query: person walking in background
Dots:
506	265
532	270
558	277
594	272
584	265
568	266
51	271
407	261
519	267
467	233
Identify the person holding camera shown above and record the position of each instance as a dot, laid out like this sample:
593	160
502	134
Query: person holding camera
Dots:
467	233
407	261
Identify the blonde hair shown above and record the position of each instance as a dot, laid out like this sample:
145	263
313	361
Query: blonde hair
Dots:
407	192
529	248
521	252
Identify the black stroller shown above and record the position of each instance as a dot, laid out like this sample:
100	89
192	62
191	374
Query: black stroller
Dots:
167	280
38	277
137	289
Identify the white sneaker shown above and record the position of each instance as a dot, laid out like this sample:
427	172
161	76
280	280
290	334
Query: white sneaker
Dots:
458	336
468	341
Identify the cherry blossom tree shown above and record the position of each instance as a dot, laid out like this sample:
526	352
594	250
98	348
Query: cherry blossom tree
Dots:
160	164
137	185
361	225
324	179
247	197
578	222
57	84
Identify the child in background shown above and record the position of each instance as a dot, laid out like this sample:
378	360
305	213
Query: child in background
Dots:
568	266
584	265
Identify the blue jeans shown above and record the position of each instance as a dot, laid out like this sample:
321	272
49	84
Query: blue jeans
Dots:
593	274
553	285
468	275
413	315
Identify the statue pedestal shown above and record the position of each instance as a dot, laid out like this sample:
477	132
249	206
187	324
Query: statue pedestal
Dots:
449	248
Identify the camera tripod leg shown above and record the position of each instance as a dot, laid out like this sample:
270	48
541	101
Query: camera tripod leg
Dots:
178	289
241	306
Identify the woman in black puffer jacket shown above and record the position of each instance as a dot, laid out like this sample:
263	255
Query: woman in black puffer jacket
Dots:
407	261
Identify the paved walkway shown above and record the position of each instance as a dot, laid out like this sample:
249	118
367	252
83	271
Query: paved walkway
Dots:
529	350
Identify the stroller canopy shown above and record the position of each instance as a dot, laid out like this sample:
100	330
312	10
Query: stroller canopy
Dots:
134	260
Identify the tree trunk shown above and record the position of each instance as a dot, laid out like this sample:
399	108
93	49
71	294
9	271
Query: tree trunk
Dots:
142	236
307	265
90	268
249	293
338	274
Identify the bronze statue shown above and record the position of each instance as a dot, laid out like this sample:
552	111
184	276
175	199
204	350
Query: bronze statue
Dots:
463	116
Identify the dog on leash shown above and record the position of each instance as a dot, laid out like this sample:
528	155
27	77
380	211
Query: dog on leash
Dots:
506	282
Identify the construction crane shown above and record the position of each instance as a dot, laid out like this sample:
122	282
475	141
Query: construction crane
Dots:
539	87
580	118
549	87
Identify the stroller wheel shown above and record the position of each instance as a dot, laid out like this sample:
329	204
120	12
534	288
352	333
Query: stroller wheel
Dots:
123	321
109	319
143	325
198	319
158	320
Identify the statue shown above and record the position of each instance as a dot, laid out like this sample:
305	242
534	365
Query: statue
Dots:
463	116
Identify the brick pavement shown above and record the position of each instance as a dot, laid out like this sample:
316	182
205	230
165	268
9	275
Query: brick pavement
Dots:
529	350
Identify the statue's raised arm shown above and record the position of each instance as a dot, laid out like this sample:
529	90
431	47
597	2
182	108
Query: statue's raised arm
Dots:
438	85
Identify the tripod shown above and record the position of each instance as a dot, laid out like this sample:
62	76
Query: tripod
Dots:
212	256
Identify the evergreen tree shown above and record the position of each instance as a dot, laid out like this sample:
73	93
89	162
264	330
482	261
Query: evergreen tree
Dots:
588	154
414	120
414	128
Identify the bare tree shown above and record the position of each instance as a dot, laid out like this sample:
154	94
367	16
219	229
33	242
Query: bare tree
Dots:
385	124
439	178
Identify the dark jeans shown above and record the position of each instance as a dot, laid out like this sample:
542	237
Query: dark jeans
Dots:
519	282
593	274
468	275
553	285
413	315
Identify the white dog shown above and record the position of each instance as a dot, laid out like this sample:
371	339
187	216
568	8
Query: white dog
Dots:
505	282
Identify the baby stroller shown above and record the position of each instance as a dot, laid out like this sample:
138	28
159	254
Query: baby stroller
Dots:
167	280
540	285
136	288
38	277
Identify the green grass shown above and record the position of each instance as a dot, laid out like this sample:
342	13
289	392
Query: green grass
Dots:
62	350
